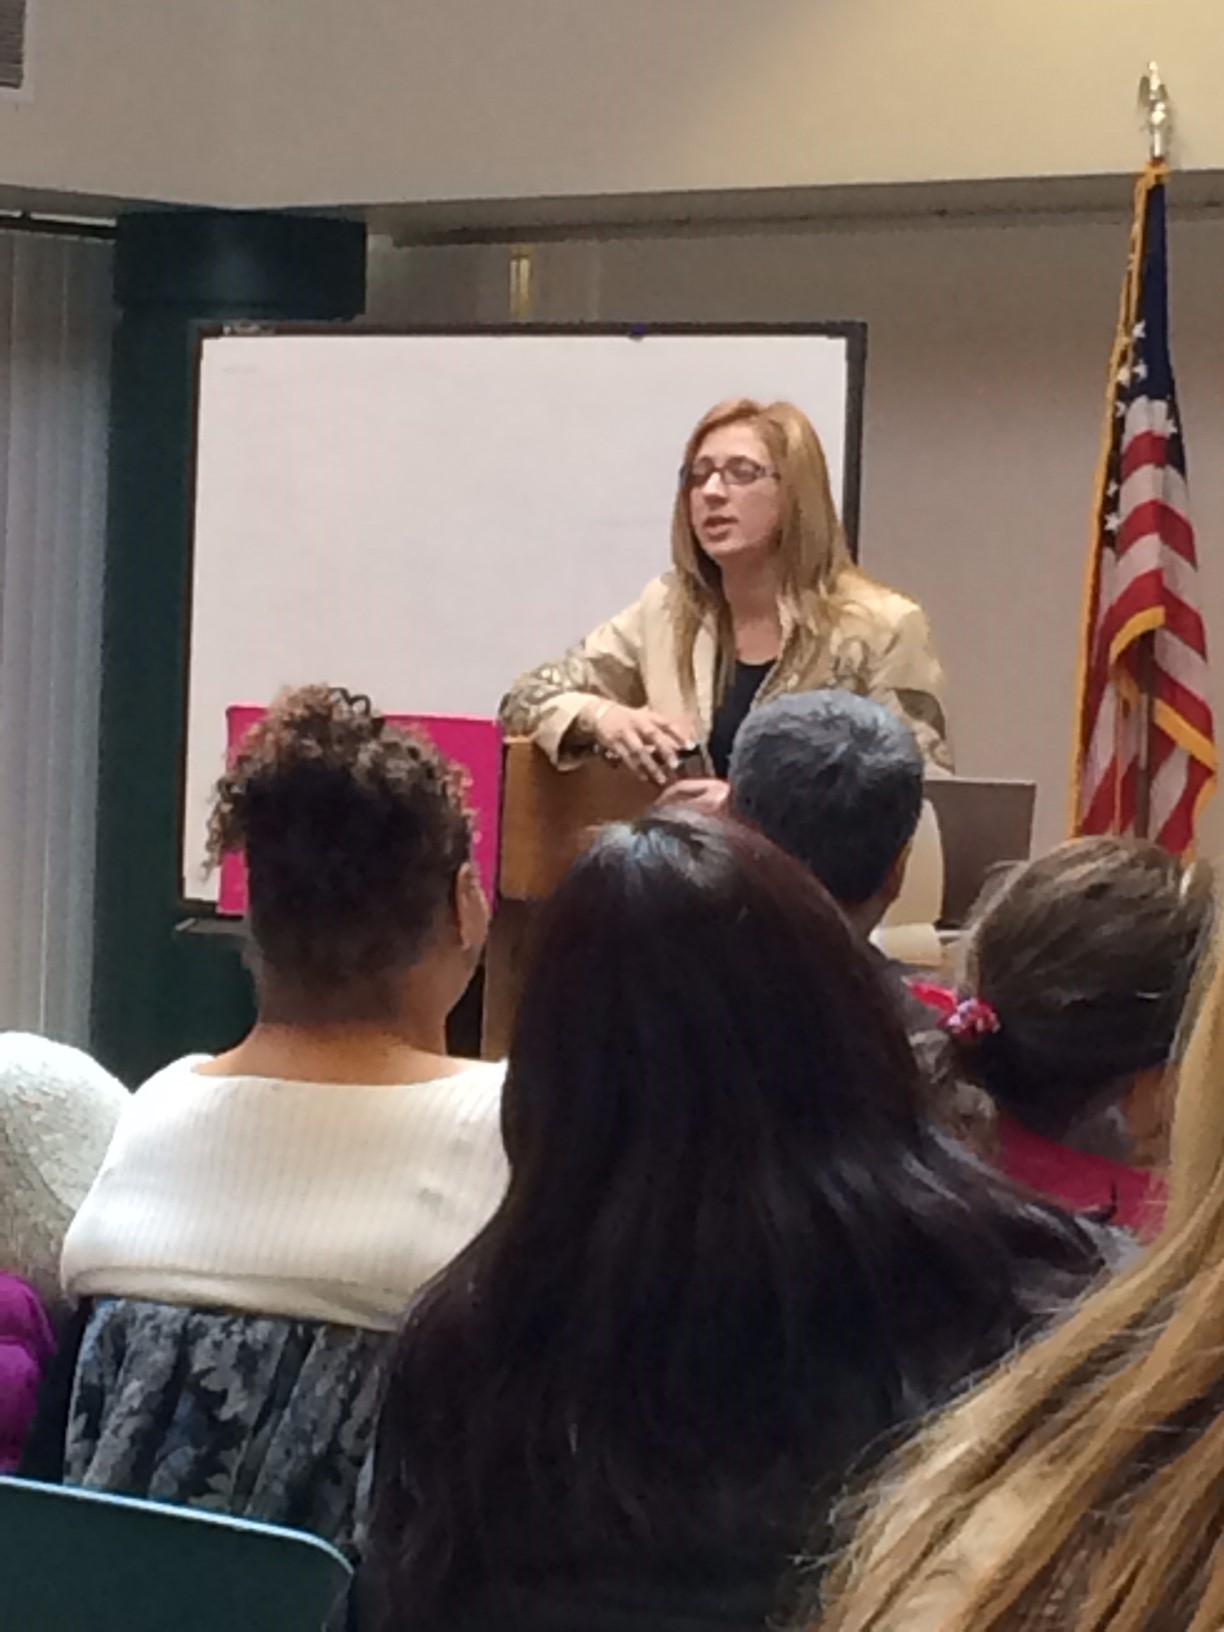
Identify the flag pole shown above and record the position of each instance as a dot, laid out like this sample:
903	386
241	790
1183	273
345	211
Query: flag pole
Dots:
1157	109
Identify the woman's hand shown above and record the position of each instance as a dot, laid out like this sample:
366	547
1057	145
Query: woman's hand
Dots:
704	794
647	743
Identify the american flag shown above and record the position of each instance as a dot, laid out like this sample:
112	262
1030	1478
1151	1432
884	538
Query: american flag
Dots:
1145	753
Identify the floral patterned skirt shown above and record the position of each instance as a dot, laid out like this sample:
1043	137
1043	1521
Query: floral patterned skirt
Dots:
258	1416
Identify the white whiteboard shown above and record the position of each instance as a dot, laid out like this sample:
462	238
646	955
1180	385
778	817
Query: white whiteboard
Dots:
422	516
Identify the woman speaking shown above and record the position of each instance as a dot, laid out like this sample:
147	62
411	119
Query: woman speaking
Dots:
762	598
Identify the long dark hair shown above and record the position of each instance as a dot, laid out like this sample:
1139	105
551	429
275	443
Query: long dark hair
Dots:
731	1255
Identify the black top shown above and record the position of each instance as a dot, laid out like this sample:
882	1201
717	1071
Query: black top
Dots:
733	710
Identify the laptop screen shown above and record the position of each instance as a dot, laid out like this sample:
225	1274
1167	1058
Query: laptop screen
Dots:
982	824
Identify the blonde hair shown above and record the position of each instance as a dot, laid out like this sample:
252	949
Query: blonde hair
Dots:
1089	1475
812	551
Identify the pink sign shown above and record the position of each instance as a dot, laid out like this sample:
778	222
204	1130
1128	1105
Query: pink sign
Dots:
474	744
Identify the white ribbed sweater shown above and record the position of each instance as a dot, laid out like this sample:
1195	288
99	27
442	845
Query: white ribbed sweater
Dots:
315	1200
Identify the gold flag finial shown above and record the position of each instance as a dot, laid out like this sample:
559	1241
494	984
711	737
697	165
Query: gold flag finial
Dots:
1157	109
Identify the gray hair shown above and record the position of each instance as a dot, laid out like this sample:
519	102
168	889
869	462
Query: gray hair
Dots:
834	779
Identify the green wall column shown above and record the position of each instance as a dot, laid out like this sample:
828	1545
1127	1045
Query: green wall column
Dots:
158	993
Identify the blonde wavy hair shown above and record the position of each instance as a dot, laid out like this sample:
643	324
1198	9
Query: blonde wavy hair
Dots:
812	552
1083	1487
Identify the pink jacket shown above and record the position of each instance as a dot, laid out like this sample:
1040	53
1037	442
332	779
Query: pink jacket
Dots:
1130	1196
26	1346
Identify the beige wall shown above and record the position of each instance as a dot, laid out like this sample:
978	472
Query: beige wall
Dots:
382	99
988	346
126	99
334	101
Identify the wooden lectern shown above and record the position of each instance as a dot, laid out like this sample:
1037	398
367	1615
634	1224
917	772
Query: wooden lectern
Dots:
548	817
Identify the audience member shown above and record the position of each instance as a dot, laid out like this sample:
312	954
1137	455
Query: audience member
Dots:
836	780
732	1259
264	1217
58	1109
27	1345
1083	1488
1076	970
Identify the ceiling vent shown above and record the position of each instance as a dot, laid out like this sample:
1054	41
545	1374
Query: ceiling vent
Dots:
13	34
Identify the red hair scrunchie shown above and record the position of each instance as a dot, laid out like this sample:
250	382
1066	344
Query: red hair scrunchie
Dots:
973	1017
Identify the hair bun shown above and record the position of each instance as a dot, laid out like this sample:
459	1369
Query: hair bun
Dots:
352	834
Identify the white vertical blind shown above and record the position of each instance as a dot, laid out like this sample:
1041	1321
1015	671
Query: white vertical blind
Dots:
55	330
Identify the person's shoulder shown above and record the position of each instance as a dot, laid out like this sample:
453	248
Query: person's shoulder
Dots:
23	1317
881	602
41	1078
171	1079
173	1096
476	1090
176	1071
658	594
635	619
457	1116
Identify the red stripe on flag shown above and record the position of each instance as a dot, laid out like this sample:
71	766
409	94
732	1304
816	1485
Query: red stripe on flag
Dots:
1177	834
1185	623
1192	708
1155	518
1098	814
1145	448
1159	749
1144	595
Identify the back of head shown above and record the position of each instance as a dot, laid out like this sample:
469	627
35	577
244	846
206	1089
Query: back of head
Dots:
1082	1486
58	1110
721	1017
836	781
686	1309
1086	955
353	833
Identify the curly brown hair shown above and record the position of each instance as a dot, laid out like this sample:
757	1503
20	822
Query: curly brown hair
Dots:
353	832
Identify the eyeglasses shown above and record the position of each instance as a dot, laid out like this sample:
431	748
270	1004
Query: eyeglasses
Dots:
737	472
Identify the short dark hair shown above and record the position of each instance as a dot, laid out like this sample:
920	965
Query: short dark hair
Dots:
353	834
731	1256
834	779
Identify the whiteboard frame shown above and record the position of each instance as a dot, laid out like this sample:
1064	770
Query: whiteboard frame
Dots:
852	331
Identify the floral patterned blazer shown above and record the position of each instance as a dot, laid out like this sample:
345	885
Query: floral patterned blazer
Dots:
881	646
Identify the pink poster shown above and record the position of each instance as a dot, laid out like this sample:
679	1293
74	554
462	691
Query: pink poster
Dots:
474	744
